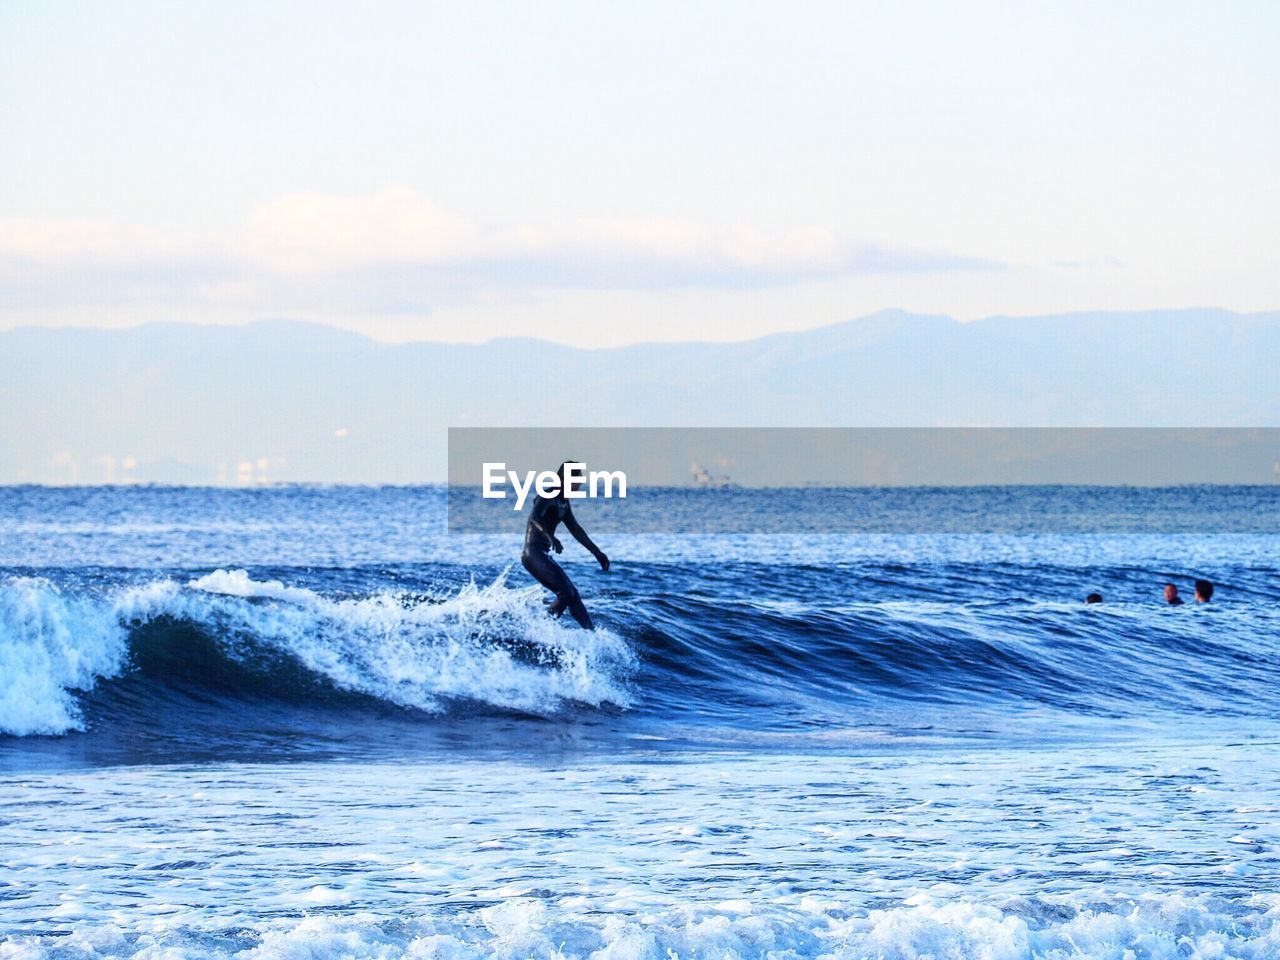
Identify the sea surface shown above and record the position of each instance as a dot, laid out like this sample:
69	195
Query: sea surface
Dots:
309	722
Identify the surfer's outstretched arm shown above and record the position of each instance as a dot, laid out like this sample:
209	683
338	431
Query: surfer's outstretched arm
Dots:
571	523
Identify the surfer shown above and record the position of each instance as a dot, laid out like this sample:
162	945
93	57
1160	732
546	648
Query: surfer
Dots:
1171	595
540	539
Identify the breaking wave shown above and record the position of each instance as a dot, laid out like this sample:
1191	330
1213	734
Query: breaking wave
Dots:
228	635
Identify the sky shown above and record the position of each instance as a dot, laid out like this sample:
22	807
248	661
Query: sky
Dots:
602	174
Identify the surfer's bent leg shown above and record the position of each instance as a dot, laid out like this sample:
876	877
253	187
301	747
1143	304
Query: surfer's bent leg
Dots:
552	576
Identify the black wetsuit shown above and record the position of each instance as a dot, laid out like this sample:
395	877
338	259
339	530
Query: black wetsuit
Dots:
548	513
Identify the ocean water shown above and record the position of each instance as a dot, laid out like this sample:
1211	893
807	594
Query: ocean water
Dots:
309	723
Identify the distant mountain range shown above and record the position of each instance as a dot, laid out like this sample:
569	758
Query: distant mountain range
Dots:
280	400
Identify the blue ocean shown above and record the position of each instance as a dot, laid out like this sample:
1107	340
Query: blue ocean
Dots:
309	722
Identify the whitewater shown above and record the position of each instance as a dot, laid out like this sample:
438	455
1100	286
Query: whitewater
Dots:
309	722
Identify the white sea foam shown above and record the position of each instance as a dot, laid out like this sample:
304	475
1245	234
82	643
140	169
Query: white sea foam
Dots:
1156	927
989	853
51	644
238	583
490	644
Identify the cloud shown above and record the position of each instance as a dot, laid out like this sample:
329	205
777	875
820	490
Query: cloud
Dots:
33	245
396	249
313	233
308	233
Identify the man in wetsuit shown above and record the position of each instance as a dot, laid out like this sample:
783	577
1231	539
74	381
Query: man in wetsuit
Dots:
540	539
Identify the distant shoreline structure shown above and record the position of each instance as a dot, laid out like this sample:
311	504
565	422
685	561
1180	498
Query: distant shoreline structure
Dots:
704	479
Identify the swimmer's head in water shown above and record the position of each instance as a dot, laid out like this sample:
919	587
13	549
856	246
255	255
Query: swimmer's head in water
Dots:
1093	598
1171	593
1204	591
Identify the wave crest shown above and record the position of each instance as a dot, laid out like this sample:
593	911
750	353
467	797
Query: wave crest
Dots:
51	644
489	644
